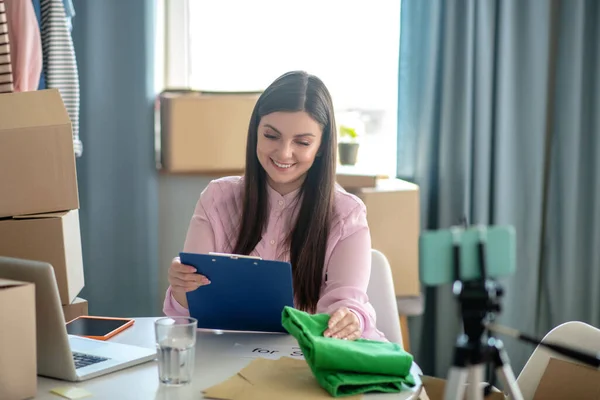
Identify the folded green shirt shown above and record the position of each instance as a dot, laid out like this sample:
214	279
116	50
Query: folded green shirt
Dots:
346	367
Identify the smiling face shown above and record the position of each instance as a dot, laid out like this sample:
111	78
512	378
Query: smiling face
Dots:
287	145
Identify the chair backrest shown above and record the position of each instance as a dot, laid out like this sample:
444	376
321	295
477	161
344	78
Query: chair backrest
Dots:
573	334
383	298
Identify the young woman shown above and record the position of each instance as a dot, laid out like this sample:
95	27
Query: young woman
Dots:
288	207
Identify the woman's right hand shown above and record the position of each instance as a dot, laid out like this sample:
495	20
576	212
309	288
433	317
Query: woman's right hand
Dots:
183	278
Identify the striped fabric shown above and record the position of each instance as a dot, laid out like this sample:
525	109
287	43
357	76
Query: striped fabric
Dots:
60	67
6	77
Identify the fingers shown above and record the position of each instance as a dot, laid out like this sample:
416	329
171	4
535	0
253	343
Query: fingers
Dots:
354	335
331	326
337	316
188	276
337	321
177	266
187	285
178	285
349	332
343	324
183	278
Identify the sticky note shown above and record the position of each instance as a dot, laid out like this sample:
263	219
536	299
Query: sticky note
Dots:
71	392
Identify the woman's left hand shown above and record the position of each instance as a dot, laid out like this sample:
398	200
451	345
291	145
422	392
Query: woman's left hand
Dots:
343	324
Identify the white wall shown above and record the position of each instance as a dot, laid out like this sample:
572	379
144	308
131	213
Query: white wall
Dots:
177	198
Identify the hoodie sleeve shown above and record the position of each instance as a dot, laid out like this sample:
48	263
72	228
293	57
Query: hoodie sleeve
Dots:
348	272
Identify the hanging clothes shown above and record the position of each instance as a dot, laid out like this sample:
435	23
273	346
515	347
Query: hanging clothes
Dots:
6	78
70	13
60	67
38	14
25	45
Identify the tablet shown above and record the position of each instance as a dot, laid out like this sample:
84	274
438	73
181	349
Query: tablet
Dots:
99	328
245	293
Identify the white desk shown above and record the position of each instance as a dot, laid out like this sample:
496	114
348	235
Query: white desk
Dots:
213	365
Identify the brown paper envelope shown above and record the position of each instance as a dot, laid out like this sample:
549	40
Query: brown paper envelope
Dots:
229	389
283	378
267	393
265	371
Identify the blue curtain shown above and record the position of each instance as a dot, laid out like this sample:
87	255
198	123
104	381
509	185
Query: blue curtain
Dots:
498	120
114	45
571	256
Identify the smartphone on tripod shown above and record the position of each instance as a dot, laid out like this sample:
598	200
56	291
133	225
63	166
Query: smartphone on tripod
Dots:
436	253
471	258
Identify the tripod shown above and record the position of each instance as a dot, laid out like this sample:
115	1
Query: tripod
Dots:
476	348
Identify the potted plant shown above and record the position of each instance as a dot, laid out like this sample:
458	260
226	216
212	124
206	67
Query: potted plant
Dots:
348	145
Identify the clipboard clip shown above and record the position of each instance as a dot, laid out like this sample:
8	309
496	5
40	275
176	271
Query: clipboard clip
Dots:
234	256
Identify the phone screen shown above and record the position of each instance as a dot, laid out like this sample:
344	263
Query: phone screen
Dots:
93	326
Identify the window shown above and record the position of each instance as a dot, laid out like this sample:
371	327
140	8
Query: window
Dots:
232	45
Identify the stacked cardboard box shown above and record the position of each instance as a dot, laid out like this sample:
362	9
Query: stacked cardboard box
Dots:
77	308
39	217
18	351
196	127
393	217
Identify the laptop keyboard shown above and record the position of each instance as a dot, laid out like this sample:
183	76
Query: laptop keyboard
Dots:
83	360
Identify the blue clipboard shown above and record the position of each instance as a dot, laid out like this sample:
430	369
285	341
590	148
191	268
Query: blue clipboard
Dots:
245	294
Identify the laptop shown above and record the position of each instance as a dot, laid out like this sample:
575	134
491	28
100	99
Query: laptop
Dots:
60	355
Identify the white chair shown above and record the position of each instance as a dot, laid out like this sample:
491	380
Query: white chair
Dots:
383	298
576	334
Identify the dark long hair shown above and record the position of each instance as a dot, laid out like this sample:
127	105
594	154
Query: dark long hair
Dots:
294	91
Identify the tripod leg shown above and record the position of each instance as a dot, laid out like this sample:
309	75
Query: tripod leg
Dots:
505	372
455	386
507	377
475	382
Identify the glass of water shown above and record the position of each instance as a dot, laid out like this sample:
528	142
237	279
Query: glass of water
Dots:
175	348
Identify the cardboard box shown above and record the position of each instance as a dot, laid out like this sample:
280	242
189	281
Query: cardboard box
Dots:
37	160
433	389
393	216
204	132
76	309
356	181
18	347
567	380
53	238
561	380
351	178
